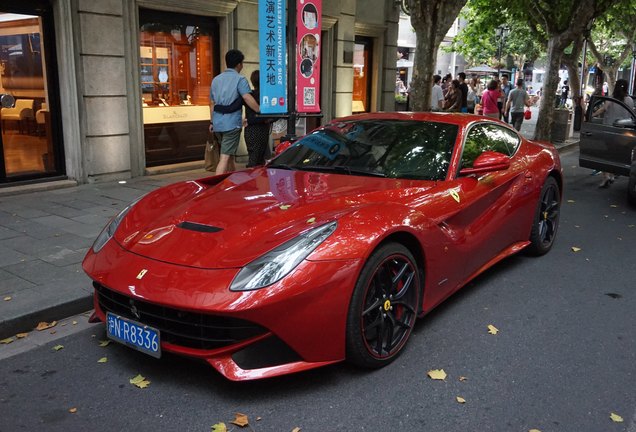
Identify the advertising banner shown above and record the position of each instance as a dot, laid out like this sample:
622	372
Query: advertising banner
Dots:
308	25
272	37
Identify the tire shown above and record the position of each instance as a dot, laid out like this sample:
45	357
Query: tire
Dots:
546	219
631	186
383	307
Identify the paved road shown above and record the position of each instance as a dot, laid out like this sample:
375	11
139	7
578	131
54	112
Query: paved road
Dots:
563	359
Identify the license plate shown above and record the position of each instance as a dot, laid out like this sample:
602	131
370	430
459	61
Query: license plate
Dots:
136	335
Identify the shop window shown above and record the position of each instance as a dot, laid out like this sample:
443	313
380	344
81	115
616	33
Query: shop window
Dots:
177	60
27	147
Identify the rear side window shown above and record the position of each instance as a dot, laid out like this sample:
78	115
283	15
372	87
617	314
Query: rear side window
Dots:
488	137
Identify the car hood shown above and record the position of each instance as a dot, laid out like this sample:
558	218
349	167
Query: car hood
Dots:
228	221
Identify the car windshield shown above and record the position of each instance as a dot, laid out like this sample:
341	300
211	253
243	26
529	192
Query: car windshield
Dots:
385	148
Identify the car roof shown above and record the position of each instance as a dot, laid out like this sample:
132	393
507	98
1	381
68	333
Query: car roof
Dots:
460	119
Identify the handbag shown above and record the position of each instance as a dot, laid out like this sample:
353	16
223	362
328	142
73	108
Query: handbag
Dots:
527	114
212	152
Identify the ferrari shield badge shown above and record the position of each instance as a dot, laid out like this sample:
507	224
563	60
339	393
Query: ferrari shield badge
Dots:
455	195
142	274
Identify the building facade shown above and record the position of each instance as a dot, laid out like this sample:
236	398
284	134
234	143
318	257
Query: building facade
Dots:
113	89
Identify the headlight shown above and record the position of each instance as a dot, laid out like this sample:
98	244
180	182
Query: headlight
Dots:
279	262
109	231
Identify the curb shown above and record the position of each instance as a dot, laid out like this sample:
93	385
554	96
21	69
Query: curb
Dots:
27	323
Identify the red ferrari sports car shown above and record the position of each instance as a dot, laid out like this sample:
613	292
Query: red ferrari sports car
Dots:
329	252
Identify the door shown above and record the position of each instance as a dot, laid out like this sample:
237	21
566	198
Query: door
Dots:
607	136
493	218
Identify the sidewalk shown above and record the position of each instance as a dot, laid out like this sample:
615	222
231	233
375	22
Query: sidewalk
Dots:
45	234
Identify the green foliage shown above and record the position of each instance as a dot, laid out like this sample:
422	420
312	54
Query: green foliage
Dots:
477	41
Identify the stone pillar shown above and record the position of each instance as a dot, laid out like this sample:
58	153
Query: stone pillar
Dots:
102	83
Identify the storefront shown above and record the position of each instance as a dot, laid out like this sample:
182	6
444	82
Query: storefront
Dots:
31	147
115	89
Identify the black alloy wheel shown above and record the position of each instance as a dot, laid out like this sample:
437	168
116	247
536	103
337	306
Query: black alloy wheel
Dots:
383	307
546	220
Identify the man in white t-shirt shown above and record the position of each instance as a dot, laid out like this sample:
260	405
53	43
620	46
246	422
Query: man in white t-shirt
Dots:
437	95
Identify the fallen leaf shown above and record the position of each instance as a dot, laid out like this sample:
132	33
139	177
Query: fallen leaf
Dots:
616	418
140	381
102	360
104	343
53	331
44	325
21	335
259	418
575	249
534	430
240	420
72	410
63	324
460	400
58	347
492	329
7	298
219	427
7	340
463	378
296	429
437	374
285	207
571	201
311	220
74	323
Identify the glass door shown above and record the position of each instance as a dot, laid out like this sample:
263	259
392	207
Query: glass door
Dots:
27	144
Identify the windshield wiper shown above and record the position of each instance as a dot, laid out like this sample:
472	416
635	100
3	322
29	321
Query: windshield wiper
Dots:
341	169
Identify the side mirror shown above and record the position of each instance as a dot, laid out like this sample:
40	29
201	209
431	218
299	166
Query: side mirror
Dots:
282	147
486	162
625	123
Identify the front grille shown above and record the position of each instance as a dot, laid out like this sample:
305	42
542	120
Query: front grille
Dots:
178	326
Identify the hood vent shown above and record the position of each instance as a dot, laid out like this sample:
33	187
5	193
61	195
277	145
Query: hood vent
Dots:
192	226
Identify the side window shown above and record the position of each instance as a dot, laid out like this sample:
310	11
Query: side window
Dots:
488	137
607	111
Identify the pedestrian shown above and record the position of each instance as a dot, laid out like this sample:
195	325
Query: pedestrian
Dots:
471	97
506	88
257	130
453	99
565	90
227	89
489	99
437	94
518	100
611	112
464	89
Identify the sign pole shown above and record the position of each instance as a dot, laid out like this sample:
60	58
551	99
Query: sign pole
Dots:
291	64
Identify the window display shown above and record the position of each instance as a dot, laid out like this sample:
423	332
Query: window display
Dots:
177	60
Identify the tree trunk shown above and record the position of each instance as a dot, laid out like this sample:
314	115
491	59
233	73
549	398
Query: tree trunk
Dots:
550	84
431	20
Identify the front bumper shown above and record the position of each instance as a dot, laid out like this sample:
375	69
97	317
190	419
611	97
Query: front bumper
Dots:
302	317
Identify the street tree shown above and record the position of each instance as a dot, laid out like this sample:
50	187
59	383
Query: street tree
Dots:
477	42
431	20
563	22
612	38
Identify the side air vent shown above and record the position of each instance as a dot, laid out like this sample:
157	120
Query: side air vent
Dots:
199	227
